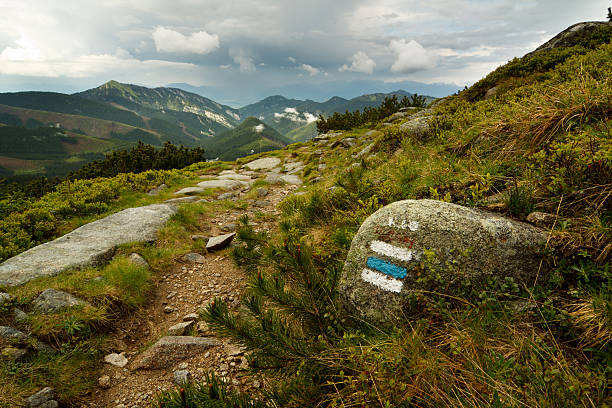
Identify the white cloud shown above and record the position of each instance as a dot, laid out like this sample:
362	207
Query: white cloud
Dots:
310	69
167	40
410	57
244	60
291	59
259	128
360	62
295	116
25	51
85	66
225	66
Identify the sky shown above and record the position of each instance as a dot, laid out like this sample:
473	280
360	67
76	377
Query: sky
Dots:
239	51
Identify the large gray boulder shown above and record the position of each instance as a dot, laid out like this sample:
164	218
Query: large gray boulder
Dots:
415	245
91	244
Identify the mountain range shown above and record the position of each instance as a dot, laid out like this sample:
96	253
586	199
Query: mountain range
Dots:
115	115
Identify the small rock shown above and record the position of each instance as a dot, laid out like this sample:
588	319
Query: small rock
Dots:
262	192
41	397
363	152
19	315
262	203
194	257
51	300
171	295
256	384
104	382
49	404
180	328
226	196
170	349
233	350
189	190
182	200
199	237
229	227
203	328
138	260
541	219
191	316
157	190
14	353
220	242
168	309
7	332
419	127
272	178
182	377
291	179
118	360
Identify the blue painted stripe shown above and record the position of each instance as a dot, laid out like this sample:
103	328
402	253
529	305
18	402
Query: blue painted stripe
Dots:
386	267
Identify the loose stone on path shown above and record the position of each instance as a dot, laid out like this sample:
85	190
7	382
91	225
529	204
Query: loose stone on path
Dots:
170	349
220	242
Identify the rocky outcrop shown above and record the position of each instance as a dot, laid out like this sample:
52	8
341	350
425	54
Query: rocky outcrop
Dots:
91	244
570	36
426	244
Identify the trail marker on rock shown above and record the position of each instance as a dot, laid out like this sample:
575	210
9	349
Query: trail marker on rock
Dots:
412	245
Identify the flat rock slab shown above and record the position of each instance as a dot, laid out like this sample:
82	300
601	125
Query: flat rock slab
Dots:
51	300
224	184
183	200
266	163
219	242
414	245
171	349
241	177
190	190
291	179
288	167
91	244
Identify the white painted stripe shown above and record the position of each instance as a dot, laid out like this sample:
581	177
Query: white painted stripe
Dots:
381	280
391	251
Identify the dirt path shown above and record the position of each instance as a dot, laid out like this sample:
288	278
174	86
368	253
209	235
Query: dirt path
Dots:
181	290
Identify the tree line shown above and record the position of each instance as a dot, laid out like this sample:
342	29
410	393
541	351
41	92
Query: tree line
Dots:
140	158
350	120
